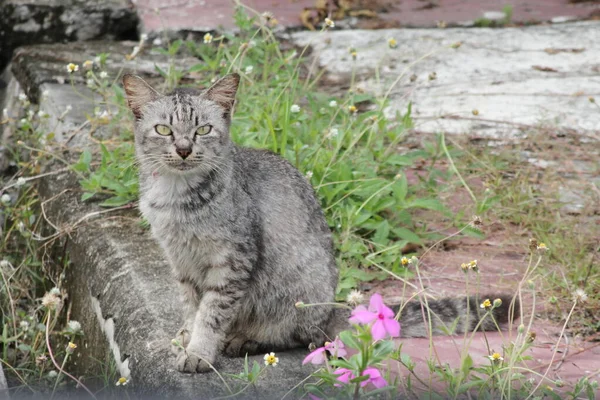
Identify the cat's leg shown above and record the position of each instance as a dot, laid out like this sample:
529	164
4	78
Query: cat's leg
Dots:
216	312
190	300
240	346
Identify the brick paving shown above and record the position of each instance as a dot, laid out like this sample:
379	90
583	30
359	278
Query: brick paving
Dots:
204	15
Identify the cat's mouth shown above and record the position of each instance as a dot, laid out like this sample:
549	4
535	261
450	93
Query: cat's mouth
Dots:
183	166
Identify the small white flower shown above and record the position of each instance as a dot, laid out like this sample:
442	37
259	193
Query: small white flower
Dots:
143	37
30	114
157	42
72	68
23	121
55	291
333	132
252	43
355	297
74	326
4	264
329	23
52	374
45	93
5	199
97	59
333	104
22	97
295	108
248	69
208	38
270	359
24	325
580	296
42	114
68	108
103	75
21	182
90	83
309	174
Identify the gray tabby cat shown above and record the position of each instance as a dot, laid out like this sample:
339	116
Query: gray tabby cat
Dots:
242	229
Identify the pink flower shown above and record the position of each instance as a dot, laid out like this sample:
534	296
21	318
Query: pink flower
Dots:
318	356
345	375
374	377
336	348
384	324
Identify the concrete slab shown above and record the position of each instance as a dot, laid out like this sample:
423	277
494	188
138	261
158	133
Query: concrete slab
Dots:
3	386
513	77
119	285
26	22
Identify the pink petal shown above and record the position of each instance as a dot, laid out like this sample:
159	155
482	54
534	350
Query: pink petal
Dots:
378	330
360	315
316	357
392	327
313	397
376	303
336	348
373	374
344	375
379	382
386	311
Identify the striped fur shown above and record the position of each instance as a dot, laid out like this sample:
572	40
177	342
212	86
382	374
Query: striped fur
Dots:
241	228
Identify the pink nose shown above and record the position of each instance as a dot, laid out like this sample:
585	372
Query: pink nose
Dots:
183	152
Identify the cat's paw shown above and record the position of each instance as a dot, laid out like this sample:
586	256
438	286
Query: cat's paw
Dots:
188	361
181	341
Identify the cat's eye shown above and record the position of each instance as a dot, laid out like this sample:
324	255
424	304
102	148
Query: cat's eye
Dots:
204	130
163	130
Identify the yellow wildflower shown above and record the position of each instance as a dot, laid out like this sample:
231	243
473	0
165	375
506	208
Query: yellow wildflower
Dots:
487	304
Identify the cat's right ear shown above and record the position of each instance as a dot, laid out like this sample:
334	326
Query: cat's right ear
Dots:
138	93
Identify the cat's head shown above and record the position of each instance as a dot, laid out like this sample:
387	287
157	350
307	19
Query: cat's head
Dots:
185	131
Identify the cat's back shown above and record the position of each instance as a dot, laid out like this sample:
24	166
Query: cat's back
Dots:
279	189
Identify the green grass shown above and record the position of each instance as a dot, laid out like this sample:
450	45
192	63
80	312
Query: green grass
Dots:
361	177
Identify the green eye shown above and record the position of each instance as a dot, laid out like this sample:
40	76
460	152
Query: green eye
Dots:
203	130
163	130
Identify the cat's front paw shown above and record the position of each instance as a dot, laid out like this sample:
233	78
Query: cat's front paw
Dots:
181	341
188	361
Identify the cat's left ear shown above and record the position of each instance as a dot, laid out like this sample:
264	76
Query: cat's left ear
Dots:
223	91
138	93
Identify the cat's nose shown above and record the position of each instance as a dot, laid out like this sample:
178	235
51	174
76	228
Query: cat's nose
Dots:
183	152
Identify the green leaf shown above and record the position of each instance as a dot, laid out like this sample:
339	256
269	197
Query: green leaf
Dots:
349	340
115	201
86	196
382	349
407	234
466	366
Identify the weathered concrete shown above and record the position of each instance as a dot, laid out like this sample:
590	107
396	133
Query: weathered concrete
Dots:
26	22
119	284
3	386
513	77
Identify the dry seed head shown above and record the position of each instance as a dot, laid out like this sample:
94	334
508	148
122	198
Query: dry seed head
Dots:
533	244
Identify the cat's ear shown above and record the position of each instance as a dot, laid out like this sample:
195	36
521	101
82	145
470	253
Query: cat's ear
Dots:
138	93
223	91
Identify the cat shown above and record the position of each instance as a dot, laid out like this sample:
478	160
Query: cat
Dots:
243	231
